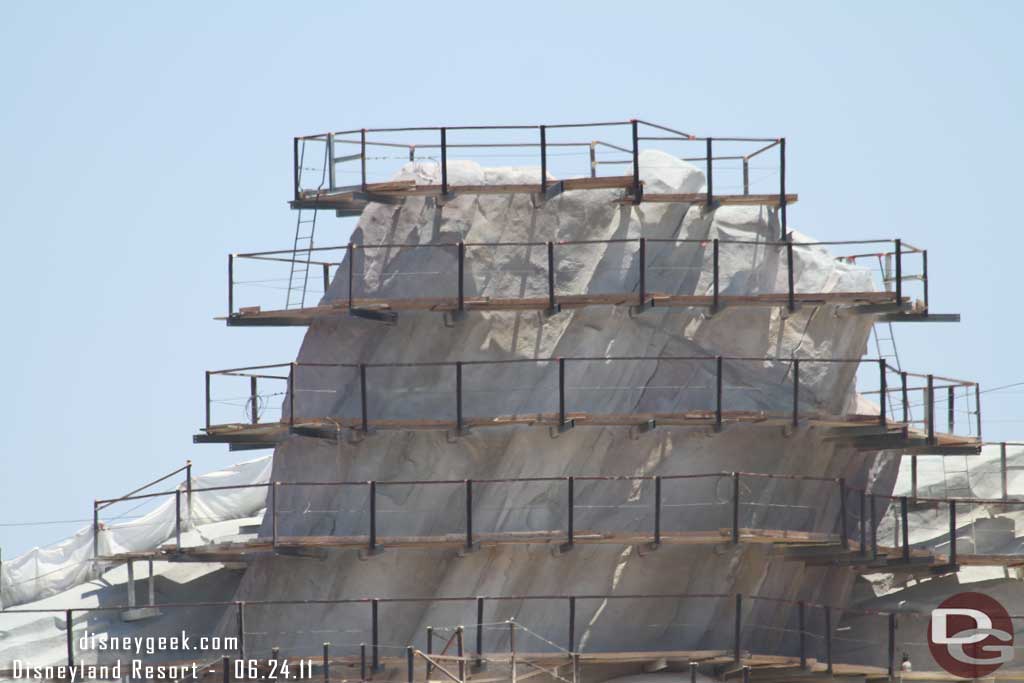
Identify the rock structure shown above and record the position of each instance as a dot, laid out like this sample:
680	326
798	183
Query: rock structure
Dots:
524	451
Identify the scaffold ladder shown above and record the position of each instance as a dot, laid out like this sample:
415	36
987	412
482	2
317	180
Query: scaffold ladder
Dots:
883	332
960	490
305	231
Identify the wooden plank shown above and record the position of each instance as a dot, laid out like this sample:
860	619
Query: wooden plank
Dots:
541	303
718	199
598	183
322	427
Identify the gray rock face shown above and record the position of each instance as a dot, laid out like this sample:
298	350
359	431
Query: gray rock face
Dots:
625	387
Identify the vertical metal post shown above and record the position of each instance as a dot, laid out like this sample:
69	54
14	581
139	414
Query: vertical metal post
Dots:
905	527
570	518
710	199
924	277
95	512
572	624
458	397
375	634
738	629
327	276
977	405
791	290
874	528
657	510
479	631
273	514
643	272
950	408
188	490
295	169
363	398
326	663
714	275
892	645
291	395
69	635
462	283
952	532
362	159
905	397
883	393
469	514
177	520
843	521
254	399
373	516
637	187
802	625
593	160
444	161
746	175
409	662
863	496
735	507
718	393
930	408
151	586
512	650
231	285
225	663
693	672
412	152
362	661
552	304
430	651
275	653
460	650
1004	484
899	271
561	392
782	184
240	624
796	393
351	249
329	160
207	400
828	637
131	584
543	159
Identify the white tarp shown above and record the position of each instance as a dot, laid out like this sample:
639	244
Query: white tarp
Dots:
42	572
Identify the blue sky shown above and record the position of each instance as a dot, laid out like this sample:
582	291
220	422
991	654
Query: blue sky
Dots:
143	142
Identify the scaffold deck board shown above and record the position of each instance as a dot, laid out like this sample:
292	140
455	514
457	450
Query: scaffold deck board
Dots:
332	428
358	196
812	548
242	549
303	316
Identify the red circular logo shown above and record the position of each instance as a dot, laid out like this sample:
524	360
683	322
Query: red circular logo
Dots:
970	635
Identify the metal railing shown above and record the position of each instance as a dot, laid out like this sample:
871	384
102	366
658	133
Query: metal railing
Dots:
802	630
660	267
623	138
729	507
441	395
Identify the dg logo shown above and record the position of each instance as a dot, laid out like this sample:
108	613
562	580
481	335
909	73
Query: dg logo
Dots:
970	635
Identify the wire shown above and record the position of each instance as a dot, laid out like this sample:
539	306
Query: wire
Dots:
1005	386
55	521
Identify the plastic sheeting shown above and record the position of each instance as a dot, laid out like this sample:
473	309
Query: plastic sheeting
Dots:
43	572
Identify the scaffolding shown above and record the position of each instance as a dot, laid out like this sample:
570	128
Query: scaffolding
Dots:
708	400
852	527
654	278
497	646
